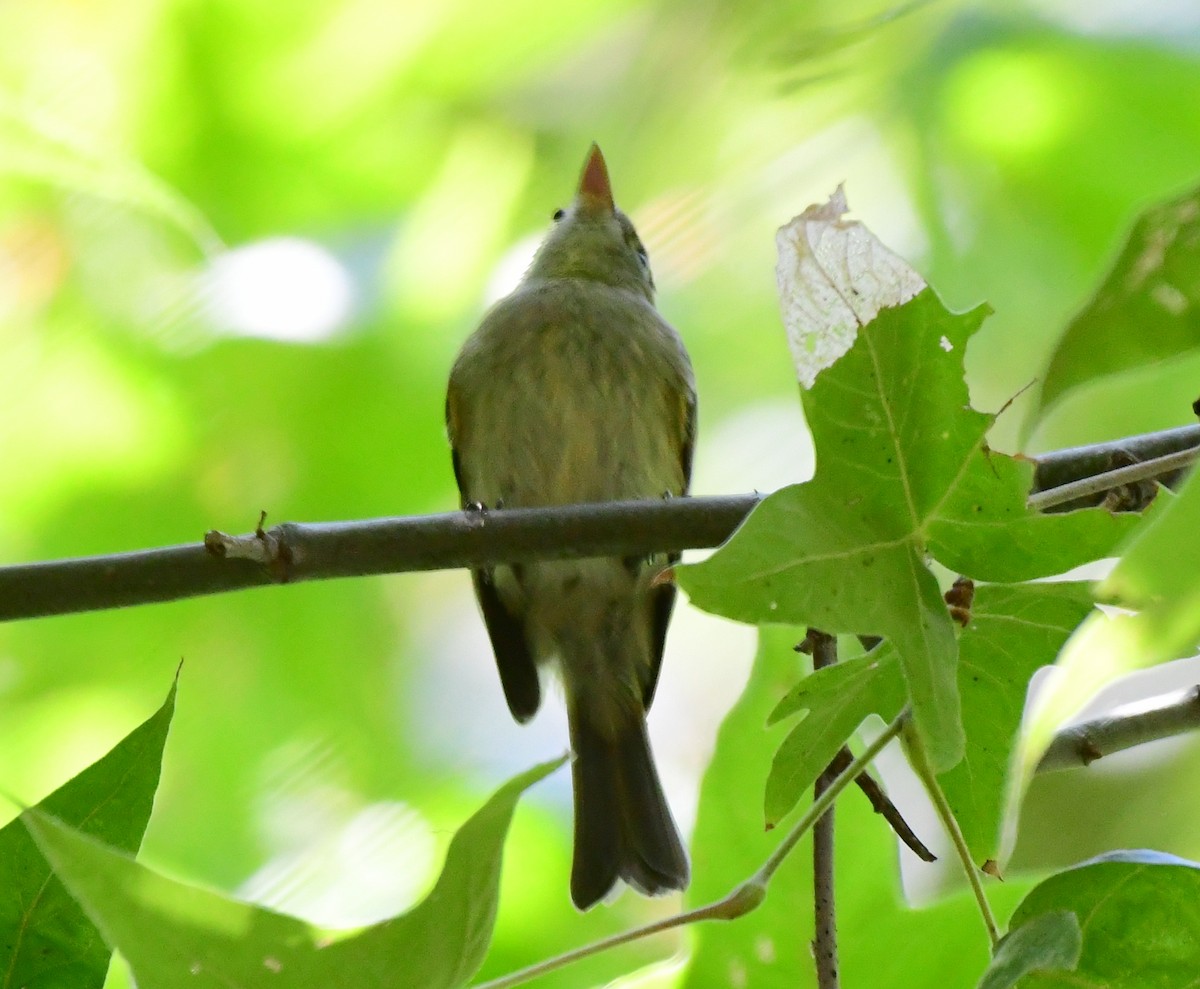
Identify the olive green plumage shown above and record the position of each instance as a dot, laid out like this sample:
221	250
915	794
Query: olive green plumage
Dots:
574	389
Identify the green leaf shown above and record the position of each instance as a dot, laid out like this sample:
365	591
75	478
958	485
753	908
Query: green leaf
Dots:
442	941
1162	563
844	552
46	940
903	472
770	948
1159	574
985	531
1147	309
1138	912
836	700
178	935
1050	941
1014	631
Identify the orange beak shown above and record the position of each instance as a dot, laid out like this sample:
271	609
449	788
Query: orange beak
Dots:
595	192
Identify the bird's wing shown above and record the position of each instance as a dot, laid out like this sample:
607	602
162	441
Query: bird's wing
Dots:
514	659
663	600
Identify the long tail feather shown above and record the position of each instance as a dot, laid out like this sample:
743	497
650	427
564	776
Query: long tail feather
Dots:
623	827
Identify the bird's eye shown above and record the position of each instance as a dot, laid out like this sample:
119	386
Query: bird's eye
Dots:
639	250
559	214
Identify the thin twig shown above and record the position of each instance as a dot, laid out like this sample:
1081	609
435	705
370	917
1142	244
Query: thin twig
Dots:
917	758
1144	471
1059	467
531	972
882	804
825	944
743	899
762	878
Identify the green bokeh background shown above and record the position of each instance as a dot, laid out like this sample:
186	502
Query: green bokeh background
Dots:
1004	148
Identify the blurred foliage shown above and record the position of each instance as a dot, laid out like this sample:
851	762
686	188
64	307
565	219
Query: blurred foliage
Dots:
1005	148
1147	310
48	939
176	935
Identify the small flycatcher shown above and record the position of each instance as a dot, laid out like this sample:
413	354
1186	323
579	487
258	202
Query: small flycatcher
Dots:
574	389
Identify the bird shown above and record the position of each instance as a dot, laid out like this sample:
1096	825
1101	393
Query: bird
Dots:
574	389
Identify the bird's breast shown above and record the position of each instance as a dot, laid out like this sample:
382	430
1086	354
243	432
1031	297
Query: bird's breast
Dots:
571	396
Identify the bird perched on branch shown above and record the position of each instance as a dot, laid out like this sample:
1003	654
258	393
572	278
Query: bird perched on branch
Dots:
574	389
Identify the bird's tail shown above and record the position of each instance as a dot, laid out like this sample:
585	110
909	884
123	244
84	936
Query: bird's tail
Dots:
623	827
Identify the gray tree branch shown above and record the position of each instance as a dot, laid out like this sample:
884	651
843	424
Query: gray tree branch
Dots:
825	939
292	552
1147	721
1060	468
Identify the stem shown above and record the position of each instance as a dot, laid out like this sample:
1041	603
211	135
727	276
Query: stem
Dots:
762	878
1144	471
825	944
740	901
920	764
578	954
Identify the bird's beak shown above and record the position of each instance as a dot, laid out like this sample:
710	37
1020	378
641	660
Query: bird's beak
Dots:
595	193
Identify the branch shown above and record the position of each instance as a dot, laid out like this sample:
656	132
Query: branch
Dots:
825	943
1145	721
1128	488
1062	467
292	552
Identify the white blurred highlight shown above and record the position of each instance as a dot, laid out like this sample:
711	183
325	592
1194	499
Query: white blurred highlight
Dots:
511	268
1170	20
340	863
282	288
